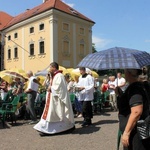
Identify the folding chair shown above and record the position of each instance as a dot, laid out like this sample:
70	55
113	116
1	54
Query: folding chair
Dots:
9	109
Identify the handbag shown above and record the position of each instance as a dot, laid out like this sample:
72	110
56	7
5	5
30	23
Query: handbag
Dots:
143	128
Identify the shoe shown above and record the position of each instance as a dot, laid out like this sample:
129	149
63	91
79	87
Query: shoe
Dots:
79	116
43	134
7	124
85	123
33	122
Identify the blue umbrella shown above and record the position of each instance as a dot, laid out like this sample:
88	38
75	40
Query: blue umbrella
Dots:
116	58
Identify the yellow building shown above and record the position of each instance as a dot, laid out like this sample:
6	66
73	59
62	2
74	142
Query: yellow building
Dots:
52	31
4	19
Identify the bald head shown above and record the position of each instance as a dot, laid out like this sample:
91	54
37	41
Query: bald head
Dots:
29	73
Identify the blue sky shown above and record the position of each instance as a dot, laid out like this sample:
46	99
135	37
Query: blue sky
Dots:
121	23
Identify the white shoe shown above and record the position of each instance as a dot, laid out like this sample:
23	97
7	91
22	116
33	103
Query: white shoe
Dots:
79	116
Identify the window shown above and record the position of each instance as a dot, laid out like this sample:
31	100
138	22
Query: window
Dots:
66	47
41	27
9	38
9	54
66	26
15	52
81	49
31	49
41	45
81	30
16	35
32	30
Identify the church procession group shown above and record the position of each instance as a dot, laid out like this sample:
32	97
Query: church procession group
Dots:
55	32
59	109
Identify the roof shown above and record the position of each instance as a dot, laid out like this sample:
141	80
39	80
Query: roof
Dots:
4	19
47	5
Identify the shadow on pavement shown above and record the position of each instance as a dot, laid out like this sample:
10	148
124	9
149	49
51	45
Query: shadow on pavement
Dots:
92	128
105	122
83	130
8	125
86	130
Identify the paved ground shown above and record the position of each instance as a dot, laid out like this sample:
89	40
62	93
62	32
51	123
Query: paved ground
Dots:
102	135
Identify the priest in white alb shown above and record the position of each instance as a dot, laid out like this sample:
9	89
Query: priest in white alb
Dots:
58	115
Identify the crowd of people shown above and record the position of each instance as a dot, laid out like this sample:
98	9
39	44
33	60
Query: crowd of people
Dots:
109	85
127	95
20	87
82	87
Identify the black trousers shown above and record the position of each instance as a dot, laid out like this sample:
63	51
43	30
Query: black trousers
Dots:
87	110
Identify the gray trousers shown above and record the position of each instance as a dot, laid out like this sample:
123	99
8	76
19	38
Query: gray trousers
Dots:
113	101
30	105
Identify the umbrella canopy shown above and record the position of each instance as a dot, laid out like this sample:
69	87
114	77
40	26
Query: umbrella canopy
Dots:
42	73
41	79
95	74
76	72
45	71
14	74
73	74
69	69
65	71
116	58
17	70
5	77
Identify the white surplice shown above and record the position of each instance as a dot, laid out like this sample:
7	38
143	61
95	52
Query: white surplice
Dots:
57	115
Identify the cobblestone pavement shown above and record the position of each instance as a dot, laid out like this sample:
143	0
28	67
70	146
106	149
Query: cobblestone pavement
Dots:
101	135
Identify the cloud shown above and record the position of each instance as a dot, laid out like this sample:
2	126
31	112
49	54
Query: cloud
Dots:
71	5
100	42
147	41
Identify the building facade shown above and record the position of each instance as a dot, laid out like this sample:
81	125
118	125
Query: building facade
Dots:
52	31
4	19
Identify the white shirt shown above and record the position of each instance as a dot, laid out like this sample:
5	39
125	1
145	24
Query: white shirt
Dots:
120	82
32	85
88	84
112	84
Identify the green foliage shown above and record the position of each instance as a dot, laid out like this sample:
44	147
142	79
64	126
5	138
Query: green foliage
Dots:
93	48
110	72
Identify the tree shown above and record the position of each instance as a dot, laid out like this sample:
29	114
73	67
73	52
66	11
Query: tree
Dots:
93	48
